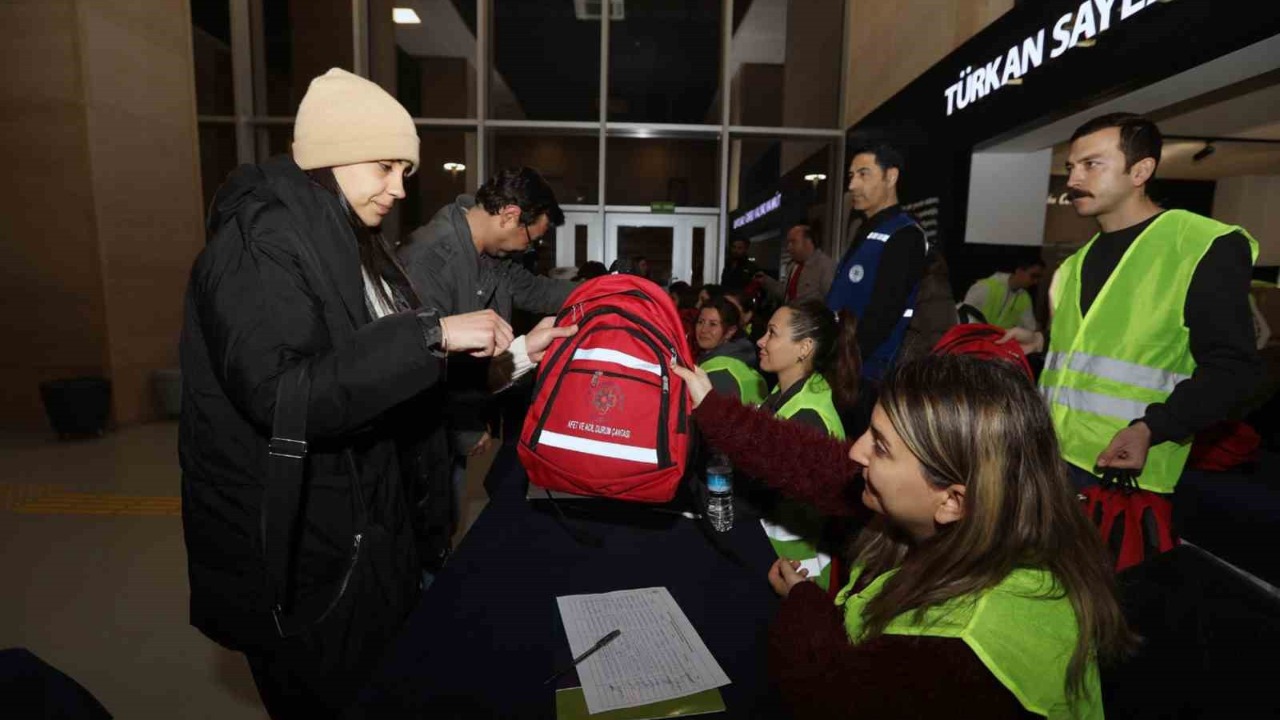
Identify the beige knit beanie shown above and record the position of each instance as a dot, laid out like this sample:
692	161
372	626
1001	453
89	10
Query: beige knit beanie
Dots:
345	119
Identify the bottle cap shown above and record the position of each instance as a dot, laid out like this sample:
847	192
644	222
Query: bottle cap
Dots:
718	480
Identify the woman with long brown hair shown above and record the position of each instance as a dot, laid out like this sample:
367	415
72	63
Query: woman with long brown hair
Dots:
978	589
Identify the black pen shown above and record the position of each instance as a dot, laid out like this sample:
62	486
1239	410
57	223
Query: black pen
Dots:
599	644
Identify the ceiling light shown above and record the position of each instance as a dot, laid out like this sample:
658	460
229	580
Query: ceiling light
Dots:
405	16
454	168
815	177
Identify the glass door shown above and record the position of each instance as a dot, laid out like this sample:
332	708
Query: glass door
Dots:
579	239
676	246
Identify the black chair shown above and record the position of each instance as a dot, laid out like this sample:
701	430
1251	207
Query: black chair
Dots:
1209	638
31	689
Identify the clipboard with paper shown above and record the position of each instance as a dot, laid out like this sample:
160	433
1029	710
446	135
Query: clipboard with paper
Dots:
658	657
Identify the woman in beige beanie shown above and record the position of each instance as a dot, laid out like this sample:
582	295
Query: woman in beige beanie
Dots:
308	371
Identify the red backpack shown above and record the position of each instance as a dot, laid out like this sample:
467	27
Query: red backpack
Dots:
608	417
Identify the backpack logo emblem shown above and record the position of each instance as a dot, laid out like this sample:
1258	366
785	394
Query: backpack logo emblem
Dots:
606	397
856	273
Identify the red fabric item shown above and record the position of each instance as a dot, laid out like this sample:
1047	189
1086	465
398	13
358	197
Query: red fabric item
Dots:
821	674
793	281
1119	512
1224	446
608	416
980	340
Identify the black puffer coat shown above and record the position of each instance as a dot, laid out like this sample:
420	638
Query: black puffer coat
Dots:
254	309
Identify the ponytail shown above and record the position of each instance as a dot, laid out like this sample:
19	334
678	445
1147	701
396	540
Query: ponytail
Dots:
847	371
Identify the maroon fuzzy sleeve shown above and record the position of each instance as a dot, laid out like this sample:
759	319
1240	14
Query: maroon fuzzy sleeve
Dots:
800	461
820	674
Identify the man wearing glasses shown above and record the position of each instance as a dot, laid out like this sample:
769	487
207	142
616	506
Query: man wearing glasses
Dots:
467	258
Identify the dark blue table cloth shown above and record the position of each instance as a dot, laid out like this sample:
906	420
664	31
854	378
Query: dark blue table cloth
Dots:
488	633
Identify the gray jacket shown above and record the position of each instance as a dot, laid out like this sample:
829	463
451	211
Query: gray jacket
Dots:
814	281
448	274
441	261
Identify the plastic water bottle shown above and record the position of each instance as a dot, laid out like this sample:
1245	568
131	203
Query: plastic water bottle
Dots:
720	492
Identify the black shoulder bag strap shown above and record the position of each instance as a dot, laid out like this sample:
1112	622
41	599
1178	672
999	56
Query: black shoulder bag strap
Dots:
286	466
282	495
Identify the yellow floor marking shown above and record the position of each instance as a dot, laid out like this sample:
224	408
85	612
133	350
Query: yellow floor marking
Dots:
54	500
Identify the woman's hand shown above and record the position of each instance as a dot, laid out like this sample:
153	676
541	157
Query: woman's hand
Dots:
786	574
482	333
542	334
1031	341
695	380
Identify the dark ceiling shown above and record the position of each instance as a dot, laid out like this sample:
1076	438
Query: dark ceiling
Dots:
664	56
664	59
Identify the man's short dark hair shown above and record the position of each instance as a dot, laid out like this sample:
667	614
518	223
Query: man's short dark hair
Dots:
686	296
745	241
591	269
886	155
1139	137
524	188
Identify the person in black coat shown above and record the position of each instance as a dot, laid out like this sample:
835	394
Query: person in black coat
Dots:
300	343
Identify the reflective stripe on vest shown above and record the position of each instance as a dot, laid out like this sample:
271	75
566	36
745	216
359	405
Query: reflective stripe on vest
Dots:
1131	350
1098	404
1117	370
803	522
1024	631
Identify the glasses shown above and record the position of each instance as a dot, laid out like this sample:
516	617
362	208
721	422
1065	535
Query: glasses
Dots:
528	237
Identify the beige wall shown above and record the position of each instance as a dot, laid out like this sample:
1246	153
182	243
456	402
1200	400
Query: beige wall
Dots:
146	183
100	209
893	43
811	75
1252	202
51	303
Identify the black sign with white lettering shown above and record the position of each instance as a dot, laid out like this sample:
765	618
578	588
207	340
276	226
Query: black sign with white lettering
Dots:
1037	63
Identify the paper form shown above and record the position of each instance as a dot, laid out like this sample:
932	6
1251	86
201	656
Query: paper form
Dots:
815	565
778	532
658	656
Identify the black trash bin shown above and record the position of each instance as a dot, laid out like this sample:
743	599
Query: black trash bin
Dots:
77	407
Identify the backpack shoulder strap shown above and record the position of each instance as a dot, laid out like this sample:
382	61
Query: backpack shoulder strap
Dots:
282	495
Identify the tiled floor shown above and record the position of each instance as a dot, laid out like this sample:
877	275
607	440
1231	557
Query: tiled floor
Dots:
95	574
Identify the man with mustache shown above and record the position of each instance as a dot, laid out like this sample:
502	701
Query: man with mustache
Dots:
878	279
1152	338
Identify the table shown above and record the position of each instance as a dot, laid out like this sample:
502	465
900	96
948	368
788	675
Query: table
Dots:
488	633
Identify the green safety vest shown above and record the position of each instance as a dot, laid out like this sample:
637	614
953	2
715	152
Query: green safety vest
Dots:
751	385
1023	629
1103	370
799	519
815	395
996	311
